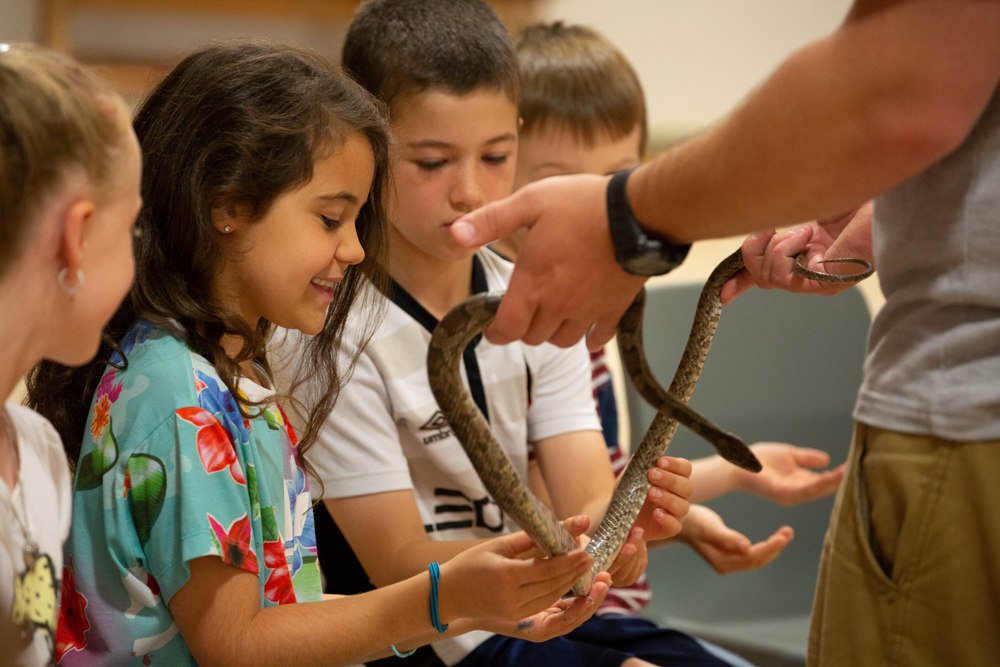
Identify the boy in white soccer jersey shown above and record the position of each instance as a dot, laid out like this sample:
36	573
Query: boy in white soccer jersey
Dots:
396	480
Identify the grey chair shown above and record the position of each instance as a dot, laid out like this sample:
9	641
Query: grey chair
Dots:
783	367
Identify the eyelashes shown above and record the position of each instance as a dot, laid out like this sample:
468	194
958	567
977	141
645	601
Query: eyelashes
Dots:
434	165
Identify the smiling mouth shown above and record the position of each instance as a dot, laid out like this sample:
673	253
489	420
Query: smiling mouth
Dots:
326	284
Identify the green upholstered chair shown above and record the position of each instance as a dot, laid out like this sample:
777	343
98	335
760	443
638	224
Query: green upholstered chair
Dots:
783	367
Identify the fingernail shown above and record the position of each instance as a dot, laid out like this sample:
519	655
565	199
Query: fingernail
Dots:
462	232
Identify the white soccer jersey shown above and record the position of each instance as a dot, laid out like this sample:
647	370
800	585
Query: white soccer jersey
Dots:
387	433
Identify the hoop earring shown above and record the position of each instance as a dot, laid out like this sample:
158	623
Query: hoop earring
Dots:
69	289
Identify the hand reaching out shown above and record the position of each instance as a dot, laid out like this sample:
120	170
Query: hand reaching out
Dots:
789	475
728	550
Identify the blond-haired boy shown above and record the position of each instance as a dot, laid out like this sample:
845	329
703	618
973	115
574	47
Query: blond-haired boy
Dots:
583	111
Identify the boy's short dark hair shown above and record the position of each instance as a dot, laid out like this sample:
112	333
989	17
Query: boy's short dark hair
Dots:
574	77
396	47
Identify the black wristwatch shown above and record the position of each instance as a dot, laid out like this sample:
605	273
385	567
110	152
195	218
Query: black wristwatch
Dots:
639	252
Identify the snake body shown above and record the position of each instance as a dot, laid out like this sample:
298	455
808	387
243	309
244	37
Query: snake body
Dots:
467	319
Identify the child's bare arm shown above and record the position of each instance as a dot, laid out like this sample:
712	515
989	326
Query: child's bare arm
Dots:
577	473
220	618
728	550
790	475
388	537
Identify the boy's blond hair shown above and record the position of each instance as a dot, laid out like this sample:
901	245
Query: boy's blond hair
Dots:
573	77
54	115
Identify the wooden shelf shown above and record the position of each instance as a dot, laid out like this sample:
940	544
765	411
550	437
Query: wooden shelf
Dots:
133	74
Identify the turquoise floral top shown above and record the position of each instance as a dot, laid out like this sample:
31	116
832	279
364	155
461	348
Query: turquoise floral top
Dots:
171	471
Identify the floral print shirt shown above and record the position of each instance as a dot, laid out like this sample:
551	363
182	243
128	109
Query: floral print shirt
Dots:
170	471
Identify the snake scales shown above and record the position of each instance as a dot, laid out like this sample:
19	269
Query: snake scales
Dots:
468	318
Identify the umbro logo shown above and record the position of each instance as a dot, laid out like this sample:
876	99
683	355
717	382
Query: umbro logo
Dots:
435	423
439	425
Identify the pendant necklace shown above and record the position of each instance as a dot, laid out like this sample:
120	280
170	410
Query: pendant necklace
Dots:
36	587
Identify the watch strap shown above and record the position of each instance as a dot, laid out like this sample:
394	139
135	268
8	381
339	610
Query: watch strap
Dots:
632	244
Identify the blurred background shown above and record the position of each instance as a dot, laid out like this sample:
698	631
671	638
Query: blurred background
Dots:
697	60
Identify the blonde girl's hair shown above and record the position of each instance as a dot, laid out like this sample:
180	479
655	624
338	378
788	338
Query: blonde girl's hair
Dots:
55	116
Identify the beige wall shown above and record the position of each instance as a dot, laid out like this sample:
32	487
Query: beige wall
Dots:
696	58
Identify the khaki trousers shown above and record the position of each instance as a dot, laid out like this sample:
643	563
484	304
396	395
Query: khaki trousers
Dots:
910	573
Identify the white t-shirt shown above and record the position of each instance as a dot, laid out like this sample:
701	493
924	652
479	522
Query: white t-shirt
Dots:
387	433
41	501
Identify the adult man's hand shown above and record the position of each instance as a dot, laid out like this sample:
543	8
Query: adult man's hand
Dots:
556	301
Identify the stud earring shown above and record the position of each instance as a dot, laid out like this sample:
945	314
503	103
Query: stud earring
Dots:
227	229
64	286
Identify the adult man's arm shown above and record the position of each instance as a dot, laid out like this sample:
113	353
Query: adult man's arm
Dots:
896	87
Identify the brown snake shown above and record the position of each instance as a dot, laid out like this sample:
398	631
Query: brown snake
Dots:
468	319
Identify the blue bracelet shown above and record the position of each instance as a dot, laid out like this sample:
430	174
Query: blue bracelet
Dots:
435	571
400	654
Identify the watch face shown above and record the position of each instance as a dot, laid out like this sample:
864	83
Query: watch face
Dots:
648	263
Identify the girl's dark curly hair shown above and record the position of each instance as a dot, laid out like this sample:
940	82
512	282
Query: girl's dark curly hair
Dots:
234	124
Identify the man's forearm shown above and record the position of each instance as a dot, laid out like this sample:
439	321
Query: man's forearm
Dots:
837	123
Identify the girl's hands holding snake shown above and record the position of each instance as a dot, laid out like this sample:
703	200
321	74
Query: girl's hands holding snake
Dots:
507	579
728	550
564	616
668	500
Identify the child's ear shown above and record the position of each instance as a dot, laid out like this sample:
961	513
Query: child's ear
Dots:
227	218
520	123
75	228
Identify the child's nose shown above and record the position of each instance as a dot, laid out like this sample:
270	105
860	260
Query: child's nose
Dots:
467	190
350	251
